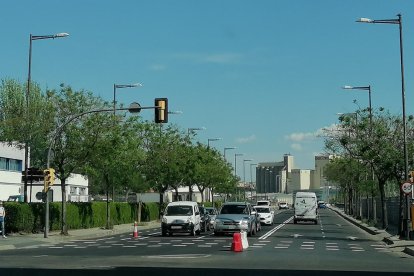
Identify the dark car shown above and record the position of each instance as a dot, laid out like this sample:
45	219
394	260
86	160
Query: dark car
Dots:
204	219
321	205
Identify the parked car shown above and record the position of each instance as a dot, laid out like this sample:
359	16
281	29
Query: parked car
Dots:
266	215
235	217
321	204
283	205
204	219
263	202
212	213
181	217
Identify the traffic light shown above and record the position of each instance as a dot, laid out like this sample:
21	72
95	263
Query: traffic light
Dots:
161	110
49	180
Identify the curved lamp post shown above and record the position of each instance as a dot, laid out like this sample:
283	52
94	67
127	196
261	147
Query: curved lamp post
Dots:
212	139
26	146
116	86
398	21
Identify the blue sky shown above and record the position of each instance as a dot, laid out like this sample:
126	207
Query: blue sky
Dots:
265	76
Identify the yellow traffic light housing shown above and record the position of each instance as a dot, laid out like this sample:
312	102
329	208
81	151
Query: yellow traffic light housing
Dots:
161	110
49	178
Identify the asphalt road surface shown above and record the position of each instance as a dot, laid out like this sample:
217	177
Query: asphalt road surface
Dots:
332	247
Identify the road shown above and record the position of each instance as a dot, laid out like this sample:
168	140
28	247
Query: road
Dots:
332	247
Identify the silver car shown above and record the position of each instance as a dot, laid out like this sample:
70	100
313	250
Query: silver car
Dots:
236	217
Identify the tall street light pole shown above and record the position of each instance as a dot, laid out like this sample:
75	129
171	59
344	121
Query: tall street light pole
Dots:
29	79
244	175
235	162
251	181
212	139
398	21
191	130
116	86
226	149
366	88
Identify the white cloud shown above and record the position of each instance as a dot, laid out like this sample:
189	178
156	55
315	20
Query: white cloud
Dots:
301	136
244	140
308	136
297	147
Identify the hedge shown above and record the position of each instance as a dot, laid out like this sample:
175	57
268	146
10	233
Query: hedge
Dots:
29	217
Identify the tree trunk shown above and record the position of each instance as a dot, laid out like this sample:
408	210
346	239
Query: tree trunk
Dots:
161	204
384	216
64	227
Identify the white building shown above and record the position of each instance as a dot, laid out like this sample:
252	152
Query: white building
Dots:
301	179
11	167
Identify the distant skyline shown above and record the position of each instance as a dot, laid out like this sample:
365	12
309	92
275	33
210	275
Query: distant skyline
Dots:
265	76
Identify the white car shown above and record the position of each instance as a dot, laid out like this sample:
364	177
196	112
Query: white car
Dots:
266	214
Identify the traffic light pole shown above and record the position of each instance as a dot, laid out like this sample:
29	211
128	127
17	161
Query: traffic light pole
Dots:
134	108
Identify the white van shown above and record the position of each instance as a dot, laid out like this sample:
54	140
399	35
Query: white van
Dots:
181	217
306	207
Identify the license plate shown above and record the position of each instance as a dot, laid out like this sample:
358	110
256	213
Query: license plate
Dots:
230	227
176	227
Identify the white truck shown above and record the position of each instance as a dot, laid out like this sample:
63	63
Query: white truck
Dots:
306	207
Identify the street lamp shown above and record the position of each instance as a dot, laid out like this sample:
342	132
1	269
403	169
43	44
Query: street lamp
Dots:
193	129
244	175
251	181
26	146
399	22
366	88
123	86
225	149
235	162
212	139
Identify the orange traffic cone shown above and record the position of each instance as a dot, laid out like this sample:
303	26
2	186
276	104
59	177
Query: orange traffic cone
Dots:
236	245
135	232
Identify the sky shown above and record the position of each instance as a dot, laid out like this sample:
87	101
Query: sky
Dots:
264	76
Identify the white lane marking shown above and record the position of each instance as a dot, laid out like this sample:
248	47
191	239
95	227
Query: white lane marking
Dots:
128	246
332	249
55	247
203	245
265	236
310	242
106	246
281	247
179	245
183	256
154	245
188	243
80	247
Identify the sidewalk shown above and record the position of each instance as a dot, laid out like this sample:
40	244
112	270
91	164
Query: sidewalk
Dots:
393	241
16	240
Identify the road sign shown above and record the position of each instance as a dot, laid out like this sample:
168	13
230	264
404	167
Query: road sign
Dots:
406	187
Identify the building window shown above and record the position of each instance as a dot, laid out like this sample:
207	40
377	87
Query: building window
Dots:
8	164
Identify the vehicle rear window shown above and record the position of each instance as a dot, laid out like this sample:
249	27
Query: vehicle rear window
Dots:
234	209
262	210
181	210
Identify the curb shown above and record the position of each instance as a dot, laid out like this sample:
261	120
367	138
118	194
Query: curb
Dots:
374	231
363	226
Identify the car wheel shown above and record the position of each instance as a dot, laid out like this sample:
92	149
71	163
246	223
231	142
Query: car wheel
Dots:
164	233
217	233
316	221
295	221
